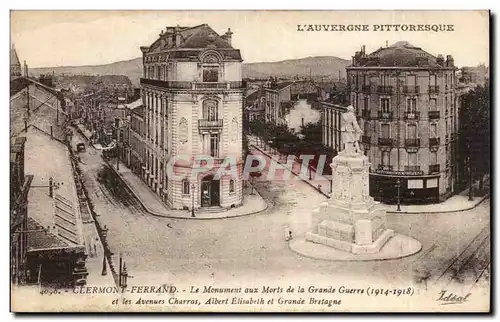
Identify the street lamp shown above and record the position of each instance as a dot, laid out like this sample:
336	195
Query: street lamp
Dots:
398	186
471	191
192	205
104	236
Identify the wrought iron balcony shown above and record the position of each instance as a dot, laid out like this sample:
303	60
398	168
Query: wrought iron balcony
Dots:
412	168
434	115
384	167
385	141
412	142
366	88
385	115
385	89
365	139
210	125
434	168
365	113
412	115
193	85
411	89
433	89
434	141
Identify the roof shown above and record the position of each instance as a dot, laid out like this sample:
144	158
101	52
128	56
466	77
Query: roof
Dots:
134	104
14	59
46	158
250	99
400	54
280	86
193	40
139	111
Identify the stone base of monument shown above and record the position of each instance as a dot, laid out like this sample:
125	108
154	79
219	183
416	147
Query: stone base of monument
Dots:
398	246
351	222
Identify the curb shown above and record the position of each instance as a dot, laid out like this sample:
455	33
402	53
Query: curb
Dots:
310	184
486	196
154	213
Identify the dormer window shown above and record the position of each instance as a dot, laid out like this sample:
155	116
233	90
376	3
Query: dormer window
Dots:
210	74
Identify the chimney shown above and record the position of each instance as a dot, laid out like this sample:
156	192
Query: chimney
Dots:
162	39
363	50
177	34
440	60
450	62
228	35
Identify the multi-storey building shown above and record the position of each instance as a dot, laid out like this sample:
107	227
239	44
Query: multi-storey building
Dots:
406	101
193	104
331	116
136	141
15	64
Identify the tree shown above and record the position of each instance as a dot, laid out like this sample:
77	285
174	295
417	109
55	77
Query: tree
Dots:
474	134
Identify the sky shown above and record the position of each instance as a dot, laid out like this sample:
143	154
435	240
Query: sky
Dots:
73	38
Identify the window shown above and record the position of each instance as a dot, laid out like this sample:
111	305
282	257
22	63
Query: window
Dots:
432	104
385	105
384	80
432	80
365	105
366	129
411	105
433	130
412	159
185	187
211	74
412	131
214	145
385	131
433	158
231	185
411	80
386	158
210	110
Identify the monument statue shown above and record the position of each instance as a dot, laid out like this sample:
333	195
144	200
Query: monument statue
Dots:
351	132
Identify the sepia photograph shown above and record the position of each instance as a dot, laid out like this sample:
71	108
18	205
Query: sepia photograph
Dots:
250	161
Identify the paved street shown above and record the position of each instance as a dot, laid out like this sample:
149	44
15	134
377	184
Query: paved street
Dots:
253	247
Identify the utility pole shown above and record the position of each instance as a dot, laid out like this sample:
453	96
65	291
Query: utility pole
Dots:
117	149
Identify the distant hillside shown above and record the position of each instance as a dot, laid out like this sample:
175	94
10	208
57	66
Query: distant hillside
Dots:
314	66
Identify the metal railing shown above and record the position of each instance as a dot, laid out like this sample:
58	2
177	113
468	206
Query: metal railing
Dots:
366	139
385	89
385	115
411	89
210	124
194	85
434	141
433	89
434	168
434	115
412	115
412	142
385	141
411	168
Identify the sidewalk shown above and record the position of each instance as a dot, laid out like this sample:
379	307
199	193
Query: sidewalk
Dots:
459	202
252	204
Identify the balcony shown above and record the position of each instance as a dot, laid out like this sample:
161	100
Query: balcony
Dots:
411	89
433	115
412	168
434	141
433	89
208	125
412	115
434	168
412	142
385	115
366	88
385	90
216	86
384	167
385	141
365	139
365	113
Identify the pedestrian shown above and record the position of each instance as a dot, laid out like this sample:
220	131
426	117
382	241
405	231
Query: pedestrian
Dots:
290	234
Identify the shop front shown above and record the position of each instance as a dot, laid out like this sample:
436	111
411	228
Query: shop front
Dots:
414	187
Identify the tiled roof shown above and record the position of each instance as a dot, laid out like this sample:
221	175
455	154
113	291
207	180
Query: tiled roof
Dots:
46	158
400	54
280	86
14	59
197	38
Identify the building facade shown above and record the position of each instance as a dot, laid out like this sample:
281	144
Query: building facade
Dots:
331	115
136	141
407	107
193	97
15	64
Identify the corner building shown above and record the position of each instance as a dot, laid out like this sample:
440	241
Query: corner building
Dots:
406	102
193	105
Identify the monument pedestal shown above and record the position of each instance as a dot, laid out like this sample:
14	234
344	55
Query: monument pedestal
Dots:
351	221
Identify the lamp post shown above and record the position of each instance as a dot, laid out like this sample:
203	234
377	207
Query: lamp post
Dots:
471	191
104	236
192	195
398	185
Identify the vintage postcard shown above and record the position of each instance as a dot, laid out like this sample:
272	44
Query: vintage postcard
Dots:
250	161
